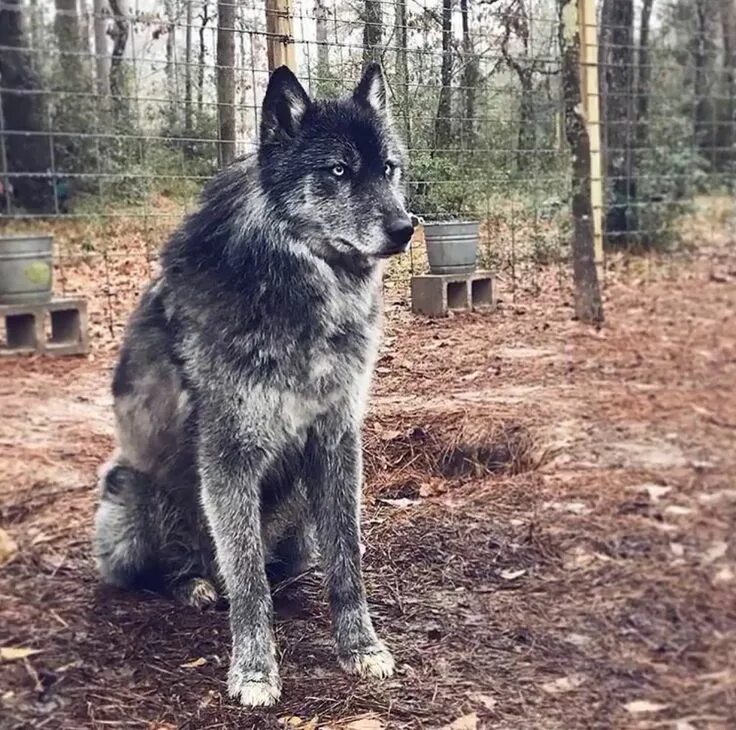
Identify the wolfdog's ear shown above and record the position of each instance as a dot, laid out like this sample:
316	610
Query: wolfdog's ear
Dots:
283	107
371	90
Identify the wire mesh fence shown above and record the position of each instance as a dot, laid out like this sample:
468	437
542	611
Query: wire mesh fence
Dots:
114	113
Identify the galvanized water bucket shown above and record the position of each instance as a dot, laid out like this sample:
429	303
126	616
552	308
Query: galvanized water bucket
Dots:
452	247
26	269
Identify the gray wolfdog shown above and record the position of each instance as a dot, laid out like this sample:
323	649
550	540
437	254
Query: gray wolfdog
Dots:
242	380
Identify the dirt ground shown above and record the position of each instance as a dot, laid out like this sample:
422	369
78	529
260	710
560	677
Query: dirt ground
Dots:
549	518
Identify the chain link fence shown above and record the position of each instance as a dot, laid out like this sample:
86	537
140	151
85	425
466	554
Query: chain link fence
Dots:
114	113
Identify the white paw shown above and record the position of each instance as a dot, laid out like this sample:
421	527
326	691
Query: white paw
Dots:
375	661
254	692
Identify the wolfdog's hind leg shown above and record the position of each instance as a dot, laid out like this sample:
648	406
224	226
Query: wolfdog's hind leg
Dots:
125	538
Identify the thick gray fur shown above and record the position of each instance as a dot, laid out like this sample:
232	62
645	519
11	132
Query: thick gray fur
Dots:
242	380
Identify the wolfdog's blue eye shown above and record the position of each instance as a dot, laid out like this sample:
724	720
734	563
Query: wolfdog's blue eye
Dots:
338	170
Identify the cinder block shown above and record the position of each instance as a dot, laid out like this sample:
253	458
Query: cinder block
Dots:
436	294
25	328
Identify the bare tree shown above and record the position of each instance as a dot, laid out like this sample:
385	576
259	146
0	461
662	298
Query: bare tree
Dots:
643	89
118	87
401	76
23	111
443	119
471	76
66	28
172	16
102	54
204	18
226	79
321	14
372	31
188	66
727	128
588	304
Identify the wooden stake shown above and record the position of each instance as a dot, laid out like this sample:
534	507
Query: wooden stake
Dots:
588	29
280	38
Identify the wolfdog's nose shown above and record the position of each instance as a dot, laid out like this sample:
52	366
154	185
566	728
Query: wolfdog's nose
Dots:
400	231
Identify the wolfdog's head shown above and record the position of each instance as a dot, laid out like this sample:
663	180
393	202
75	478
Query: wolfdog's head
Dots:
335	169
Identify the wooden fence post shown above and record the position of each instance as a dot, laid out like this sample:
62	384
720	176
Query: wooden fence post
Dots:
280	35
588	30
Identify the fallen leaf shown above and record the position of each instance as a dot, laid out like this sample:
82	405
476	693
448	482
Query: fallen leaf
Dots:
638	707
389	435
677	510
724	575
677	549
466	722
512	574
717	550
8	547
11	653
655	491
563	684
365	723
199	662
577	639
486	700
401	502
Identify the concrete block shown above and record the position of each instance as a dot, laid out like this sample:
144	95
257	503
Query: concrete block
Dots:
436	294
58	327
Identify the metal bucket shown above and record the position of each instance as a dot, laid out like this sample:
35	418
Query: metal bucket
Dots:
452	248
26	269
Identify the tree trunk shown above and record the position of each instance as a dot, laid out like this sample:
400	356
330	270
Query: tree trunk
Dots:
172	114
23	112
66	28
204	18
226	79
643	85
527	139
188	110
118	86
443	121
323	50
703	112
588	304
401	82
372	31
617	81
727	130
471	73
102	55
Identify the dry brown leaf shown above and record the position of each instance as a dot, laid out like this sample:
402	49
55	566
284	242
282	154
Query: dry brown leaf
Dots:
466	722
486	700
717	550
11	653
199	662
564	684
401	502
8	547
512	574
639	707
369	722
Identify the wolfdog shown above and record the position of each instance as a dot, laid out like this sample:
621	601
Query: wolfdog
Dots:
242	380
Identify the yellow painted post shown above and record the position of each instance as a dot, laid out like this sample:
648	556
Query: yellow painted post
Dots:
280	35
588	29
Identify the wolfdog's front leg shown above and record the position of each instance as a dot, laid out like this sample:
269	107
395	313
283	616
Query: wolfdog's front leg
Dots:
231	470
334	473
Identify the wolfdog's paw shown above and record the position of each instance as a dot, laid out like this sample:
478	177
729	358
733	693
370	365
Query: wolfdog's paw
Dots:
373	661
196	592
254	689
